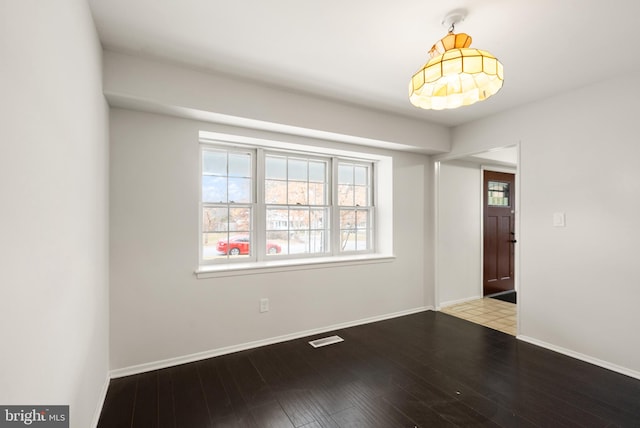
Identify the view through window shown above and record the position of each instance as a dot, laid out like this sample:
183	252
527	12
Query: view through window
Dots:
258	205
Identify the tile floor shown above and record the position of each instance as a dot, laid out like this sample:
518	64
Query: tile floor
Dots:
492	313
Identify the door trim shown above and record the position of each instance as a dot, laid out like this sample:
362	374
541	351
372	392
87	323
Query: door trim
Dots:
516	220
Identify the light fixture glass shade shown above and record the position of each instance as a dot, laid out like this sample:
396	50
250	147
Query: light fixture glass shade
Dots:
455	76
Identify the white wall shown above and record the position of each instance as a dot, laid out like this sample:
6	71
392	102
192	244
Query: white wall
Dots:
459	232
159	310
53	182
579	154
138	83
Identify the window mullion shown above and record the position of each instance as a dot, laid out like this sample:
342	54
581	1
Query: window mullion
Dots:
334	208
260	226
373	199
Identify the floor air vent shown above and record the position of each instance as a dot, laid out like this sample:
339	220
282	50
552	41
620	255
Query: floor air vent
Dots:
326	341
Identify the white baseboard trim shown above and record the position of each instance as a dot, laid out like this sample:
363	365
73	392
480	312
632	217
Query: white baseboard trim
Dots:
577	355
170	362
101	398
456	302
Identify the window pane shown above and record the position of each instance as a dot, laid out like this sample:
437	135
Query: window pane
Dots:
354	230
299	243
317	195
276	168
317	171
347	219
297	169
318	219
210	245
240	190
239	165
317	241
278	219
298	230
361	196
361	175
214	189
345	174
273	247
240	219
299	219
275	192
362	219
278	239
214	162
215	219
345	195
362	243
298	191
236	245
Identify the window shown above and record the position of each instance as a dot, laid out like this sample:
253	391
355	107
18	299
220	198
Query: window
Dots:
227	203
259	204
354	201
296	202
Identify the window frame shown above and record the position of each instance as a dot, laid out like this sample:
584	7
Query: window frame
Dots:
263	205
259	260
370	208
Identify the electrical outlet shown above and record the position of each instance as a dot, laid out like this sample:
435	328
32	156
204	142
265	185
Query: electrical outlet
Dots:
264	305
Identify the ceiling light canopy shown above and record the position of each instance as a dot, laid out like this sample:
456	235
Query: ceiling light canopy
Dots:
456	75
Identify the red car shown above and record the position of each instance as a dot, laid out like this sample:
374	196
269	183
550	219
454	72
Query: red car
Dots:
239	244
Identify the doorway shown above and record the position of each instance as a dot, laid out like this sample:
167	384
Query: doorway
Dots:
460	228
499	237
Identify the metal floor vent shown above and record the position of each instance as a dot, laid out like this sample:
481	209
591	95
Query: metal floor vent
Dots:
326	341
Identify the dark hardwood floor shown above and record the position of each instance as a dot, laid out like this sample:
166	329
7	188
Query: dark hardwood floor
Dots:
424	370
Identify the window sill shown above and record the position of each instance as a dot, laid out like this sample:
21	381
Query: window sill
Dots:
237	269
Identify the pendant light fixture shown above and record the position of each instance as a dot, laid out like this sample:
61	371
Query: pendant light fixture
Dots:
456	75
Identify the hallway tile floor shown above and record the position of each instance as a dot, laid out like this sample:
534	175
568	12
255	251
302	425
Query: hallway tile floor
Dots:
491	313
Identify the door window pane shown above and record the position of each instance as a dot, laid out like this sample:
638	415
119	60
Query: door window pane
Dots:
498	194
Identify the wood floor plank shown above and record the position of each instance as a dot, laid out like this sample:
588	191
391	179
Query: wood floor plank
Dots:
421	370
416	410
117	410
166	408
250	383
145	413
271	415
189	400
215	394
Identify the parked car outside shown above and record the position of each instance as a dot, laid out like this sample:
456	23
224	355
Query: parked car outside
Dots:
240	245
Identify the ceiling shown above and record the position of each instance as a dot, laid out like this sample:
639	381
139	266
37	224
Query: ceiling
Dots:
365	51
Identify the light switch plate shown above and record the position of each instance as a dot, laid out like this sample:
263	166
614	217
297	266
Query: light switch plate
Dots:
559	220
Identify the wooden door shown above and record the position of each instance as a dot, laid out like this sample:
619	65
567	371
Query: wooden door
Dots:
499	232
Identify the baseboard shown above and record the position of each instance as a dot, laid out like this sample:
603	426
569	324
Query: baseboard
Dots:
170	362
456	302
577	355
103	396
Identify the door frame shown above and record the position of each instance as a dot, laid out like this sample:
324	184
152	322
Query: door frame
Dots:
494	168
436	220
